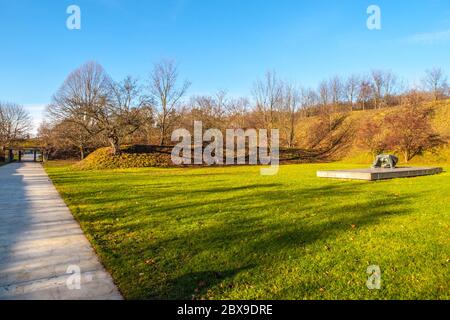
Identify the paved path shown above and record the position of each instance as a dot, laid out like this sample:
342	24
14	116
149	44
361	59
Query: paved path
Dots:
40	242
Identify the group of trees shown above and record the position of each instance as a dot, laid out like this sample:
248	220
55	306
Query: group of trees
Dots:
15	125
375	90
90	104
91	109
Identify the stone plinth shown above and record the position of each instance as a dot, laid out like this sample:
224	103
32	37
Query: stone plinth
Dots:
379	174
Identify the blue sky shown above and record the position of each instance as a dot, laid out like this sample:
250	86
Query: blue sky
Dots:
219	44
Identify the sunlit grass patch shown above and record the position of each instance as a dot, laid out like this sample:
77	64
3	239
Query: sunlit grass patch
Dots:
230	233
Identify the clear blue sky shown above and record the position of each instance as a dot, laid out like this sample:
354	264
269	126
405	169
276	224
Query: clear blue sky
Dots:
219	44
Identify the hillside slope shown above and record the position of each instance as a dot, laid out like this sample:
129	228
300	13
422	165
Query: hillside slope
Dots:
353	152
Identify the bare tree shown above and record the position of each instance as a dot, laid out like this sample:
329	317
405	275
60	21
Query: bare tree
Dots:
124	114
292	103
336	90
90	99
383	86
211	110
84	90
310	100
15	123
167	95
435	81
378	83
324	93
238	110
391	84
411	132
351	89
365	93
326	105
268	95
69	133
65	138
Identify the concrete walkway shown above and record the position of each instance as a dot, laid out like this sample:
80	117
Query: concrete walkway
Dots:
42	248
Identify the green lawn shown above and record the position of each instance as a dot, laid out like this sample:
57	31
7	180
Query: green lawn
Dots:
229	233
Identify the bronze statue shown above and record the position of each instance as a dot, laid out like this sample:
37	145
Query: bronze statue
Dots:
385	161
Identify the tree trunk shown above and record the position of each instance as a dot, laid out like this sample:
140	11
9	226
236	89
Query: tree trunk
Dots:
81	153
406	156
115	145
291	139
162	133
292	132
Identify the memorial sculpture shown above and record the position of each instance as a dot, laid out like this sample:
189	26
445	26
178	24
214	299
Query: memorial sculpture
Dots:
384	167
385	161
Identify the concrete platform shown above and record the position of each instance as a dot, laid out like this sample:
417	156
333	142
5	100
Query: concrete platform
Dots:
380	174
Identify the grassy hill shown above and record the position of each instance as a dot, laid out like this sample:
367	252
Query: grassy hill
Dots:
354	153
131	157
347	150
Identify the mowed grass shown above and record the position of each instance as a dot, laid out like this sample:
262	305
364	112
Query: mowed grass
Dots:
230	233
